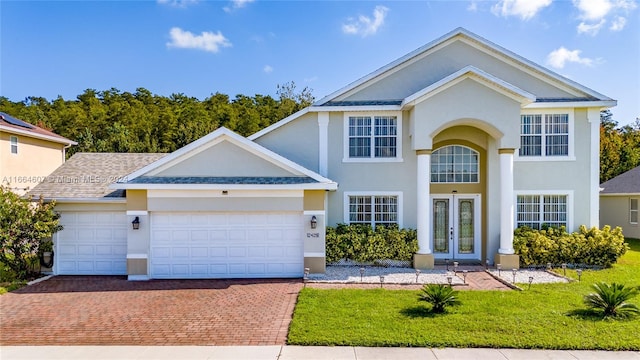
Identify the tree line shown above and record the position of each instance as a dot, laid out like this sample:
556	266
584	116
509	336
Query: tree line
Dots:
116	121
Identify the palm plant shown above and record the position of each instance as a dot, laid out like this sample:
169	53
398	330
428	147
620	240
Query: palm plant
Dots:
439	296
612	300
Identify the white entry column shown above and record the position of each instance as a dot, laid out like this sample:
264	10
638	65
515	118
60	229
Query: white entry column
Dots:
424	205
506	201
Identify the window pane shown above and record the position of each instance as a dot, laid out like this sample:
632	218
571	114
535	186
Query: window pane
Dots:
530	135
359	136
454	164
528	211
360	209
385	136
557	134
633	211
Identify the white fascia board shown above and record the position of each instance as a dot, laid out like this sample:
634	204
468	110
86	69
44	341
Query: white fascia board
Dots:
357	108
314	186
470	72
603	104
88	200
280	123
619	194
38	136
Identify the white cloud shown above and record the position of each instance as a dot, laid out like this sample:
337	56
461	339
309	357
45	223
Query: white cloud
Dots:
178	3
237	4
590	29
559	57
593	14
618	24
473	6
268	69
525	9
364	25
207	41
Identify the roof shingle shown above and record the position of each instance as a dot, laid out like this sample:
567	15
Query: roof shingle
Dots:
625	183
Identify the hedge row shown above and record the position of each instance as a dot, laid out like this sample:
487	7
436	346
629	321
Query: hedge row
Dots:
586	246
362	243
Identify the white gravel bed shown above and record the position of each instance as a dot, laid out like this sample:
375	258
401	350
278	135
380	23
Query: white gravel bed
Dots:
392	275
522	276
397	275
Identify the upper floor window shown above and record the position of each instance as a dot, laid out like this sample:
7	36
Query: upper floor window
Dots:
13	140
544	135
373	137
455	164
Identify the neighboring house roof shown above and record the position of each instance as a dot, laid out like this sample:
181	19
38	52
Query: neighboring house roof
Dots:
625	183
88	175
147	177
16	126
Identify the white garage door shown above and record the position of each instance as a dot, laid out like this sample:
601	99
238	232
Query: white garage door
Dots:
226	245
92	243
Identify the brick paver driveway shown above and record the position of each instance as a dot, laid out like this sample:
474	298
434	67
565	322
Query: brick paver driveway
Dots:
106	310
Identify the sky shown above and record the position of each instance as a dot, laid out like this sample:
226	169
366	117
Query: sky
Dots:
198	48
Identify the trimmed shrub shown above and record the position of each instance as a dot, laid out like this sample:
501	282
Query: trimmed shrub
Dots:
439	296
597	247
612	300
362	243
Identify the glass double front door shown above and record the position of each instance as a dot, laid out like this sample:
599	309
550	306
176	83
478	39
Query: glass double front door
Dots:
455	221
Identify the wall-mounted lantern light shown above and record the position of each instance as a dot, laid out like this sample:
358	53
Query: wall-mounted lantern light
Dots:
136	223
314	222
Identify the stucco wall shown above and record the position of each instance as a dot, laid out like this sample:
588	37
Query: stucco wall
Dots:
614	211
296	141
35	160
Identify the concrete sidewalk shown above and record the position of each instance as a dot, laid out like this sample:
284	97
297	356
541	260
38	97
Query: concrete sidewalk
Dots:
297	352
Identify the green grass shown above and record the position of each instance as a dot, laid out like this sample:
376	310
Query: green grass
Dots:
549	316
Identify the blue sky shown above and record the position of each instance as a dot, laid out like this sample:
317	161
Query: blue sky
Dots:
52	48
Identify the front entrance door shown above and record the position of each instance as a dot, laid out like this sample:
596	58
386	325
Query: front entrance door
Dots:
455	220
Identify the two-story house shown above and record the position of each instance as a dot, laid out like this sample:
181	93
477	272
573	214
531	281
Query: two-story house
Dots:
28	153
460	139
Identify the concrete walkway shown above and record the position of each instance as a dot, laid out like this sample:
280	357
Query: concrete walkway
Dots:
297	352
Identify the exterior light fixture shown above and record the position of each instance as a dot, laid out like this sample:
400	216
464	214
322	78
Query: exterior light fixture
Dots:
381	280
449	280
306	276
361	273
417	274
314	222
135	224
455	267
464	275
514	272
499	266
564	269
530	281
579	272
446	262
486	264
548	266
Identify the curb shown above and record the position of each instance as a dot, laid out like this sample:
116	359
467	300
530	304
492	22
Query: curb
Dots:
503	281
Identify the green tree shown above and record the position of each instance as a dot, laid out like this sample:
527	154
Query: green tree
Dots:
619	146
24	226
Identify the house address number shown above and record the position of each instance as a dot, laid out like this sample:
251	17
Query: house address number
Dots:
313	235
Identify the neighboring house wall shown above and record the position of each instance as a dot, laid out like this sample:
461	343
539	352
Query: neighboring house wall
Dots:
35	160
615	211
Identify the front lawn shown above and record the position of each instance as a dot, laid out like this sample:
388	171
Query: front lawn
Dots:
549	316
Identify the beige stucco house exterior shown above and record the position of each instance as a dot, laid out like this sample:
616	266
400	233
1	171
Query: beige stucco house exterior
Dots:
620	202
460	139
28	153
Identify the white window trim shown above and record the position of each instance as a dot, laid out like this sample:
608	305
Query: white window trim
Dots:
571	155
637	210
13	141
567	193
345	149
347	194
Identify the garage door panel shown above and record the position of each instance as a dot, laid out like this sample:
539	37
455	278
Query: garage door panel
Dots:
219	245
92	243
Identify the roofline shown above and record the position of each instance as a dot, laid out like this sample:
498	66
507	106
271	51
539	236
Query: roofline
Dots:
620	194
347	108
102	200
465	72
269	155
61	140
313	186
475	37
604	104
278	124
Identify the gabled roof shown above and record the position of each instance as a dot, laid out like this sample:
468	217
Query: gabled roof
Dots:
471	72
86	176
491	47
301	177
16	126
625	183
